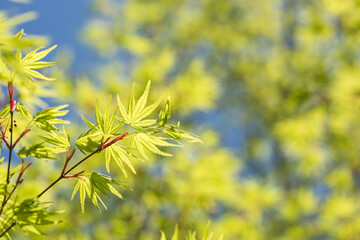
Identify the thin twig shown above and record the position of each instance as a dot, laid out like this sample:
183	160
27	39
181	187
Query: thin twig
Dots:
63	174
52	184
13	224
11	130
9	161
18	181
6	199
101	147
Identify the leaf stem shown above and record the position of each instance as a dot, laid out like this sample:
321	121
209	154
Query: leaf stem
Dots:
85	158
63	174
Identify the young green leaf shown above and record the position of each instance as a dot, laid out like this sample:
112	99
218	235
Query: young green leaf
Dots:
178	134
131	106
175	236
41	151
47	118
104	184
89	187
120	156
105	121
31	62
147	141
163	237
57	138
165	113
92	127
89	141
24	111
137	111
85	188
5	111
31	213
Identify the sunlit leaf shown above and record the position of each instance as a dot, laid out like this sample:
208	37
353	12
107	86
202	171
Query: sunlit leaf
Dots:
24	111
31	62
48	118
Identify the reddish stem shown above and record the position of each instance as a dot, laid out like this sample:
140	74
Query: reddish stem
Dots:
21	136
64	173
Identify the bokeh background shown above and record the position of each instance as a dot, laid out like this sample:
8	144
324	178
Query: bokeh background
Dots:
271	86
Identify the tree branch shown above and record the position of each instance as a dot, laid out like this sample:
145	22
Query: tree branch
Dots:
63	174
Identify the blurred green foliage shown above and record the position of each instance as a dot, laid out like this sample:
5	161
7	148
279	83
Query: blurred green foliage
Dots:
284	71
47	141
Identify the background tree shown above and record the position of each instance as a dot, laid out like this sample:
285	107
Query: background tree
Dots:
273	83
123	136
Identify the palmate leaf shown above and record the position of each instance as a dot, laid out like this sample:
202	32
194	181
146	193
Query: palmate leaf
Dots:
137	110
58	139
31	213
105	184
86	188
89	141
90	188
104	128
24	111
47	118
31	62
7	41
177	134
120	156
41	151
147	141
104	122
5	111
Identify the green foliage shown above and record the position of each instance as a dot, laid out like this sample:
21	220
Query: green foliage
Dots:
23	111
5	111
280	79
31	213
31	61
37	137
137	110
47	118
281	74
58	139
142	139
91	187
165	113
120	156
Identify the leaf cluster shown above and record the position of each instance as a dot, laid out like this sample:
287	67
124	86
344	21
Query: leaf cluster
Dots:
146	135
28	214
122	134
94	185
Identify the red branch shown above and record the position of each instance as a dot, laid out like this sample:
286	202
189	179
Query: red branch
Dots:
105	144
